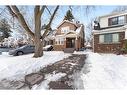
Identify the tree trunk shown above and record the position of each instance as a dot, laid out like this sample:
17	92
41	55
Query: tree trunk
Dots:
38	47
37	41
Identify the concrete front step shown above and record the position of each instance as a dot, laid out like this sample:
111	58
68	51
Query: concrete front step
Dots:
69	50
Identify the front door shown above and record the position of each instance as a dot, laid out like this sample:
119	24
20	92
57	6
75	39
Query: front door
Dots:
70	42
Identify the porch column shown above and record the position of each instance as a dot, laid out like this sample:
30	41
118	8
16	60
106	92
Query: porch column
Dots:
76	43
65	42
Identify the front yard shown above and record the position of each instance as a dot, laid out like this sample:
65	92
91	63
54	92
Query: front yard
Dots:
15	67
100	71
105	71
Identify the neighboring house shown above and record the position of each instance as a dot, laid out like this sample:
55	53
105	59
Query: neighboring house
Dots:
88	45
67	35
110	33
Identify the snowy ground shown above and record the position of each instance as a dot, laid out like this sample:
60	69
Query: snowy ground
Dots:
16	67
101	71
104	71
49	78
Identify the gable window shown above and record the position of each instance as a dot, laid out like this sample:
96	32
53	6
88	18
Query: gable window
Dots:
109	38
116	20
65	29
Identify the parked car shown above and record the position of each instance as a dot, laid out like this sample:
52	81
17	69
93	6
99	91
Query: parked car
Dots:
48	48
26	49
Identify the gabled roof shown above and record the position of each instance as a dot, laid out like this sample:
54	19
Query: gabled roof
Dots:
67	22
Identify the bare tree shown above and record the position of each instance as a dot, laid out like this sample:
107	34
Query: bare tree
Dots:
120	9
36	34
89	29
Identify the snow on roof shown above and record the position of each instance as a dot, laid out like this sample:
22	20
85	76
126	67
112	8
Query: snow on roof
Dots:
78	29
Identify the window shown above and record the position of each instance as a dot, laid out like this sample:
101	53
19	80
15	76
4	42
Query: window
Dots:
116	20
121	20
115	37
101	38
59	41
64	29
109	38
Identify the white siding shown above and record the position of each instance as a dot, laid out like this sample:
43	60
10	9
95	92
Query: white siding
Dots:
104	22
104	19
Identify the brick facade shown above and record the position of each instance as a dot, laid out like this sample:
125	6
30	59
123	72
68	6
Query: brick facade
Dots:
108	48
72	27
58	47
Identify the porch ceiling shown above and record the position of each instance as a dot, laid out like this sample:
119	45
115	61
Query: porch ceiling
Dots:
71	35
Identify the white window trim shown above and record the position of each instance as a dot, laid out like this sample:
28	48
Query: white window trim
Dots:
65	29
59	41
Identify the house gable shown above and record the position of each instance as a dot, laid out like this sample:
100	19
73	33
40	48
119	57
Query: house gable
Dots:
65	24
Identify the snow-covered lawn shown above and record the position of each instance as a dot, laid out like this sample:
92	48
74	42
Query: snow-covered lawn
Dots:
104	71
15	67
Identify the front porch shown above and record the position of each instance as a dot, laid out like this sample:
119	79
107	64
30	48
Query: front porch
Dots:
68	42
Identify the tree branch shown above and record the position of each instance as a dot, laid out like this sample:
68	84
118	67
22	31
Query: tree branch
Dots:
11	11
15	12
37	20
48	10
50	21
42	9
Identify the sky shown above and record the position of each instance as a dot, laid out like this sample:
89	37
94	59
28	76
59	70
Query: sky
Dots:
79	13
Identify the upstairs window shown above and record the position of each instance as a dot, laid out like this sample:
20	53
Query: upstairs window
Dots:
65	29
116	20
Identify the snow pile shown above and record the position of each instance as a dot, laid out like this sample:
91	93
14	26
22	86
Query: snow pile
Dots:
48	46
105	71
48	79
16	67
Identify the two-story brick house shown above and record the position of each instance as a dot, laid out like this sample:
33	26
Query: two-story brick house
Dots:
68	35
111	33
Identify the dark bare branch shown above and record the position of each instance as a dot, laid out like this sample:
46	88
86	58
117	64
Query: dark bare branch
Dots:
50	21
48	10
42	9
11	11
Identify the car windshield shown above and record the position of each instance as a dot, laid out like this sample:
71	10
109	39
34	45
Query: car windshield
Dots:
23	46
